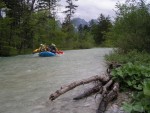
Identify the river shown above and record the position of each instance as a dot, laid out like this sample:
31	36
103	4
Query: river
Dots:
26	81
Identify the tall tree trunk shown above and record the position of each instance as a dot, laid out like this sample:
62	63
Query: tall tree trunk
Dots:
32	5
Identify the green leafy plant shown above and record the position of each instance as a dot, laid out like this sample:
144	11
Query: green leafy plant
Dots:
135	77
131	76
146	88
140	100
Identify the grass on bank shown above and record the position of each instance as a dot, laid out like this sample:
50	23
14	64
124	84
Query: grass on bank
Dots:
134	57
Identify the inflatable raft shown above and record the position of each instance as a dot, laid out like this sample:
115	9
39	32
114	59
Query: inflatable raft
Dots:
46	54
50	54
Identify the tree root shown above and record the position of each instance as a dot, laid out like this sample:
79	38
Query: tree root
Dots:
107	98
106	87
71	86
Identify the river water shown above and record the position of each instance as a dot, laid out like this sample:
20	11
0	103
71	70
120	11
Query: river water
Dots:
26	81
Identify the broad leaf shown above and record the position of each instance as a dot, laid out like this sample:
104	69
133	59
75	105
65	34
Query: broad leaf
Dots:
147	87
138	107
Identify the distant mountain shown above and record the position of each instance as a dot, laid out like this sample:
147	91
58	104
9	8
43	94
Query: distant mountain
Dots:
93	21
77	21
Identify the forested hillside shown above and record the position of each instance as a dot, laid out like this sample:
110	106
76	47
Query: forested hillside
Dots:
25	24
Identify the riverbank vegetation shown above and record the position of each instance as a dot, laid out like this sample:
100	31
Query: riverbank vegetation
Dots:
131	35
25	24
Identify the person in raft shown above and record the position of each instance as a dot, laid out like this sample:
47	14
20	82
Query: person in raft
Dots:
42	47
53	48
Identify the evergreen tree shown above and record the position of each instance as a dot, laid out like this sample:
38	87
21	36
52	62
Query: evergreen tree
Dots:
70	10
80	28
48	5
98	30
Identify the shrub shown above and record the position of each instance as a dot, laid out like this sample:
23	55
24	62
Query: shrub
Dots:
131	76
132	56
140	100
8	51
136	78
130	30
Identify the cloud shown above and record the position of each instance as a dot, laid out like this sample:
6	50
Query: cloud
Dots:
91	9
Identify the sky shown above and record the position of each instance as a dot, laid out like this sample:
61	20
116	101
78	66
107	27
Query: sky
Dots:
91	9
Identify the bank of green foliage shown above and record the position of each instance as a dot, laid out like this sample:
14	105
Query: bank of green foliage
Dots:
24	29
131	36
140	101
135	77
7	50
131	27
40	29
133	56
131	76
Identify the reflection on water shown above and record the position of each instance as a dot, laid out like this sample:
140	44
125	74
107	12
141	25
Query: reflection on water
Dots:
26	81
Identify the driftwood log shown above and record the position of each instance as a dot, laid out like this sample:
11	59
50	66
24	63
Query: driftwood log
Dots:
71	86
89	92
107	97
106	87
